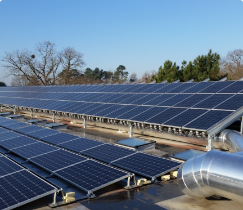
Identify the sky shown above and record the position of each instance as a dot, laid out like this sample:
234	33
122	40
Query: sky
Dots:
139	34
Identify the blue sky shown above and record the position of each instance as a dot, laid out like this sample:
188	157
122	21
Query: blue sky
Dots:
139	34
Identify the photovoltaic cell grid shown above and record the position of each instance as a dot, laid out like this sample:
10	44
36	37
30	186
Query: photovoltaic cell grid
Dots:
80	144
17	142
19	186
57	160
90	175
146	165
59	138
107	153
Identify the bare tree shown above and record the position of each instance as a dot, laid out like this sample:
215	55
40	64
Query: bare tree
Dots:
147	76
39	67
71	61
233	64
133	77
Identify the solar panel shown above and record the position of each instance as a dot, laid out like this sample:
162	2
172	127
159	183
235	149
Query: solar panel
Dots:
42	133
148	114
193	100
169	87
109	110
7	166
217	86
22	187
88	108
165	115
234	88
56	160
146	165
8	135
31	128
101	108
17	142
199	87
233	103
115	99
145	99
33	150
185	117
120	111
174	100
16	125
91	176
213	101
59	138
134	112
131	99
80	144
2	130
159	99
208	120
182	88
107	152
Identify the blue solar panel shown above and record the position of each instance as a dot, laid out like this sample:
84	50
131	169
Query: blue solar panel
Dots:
107	152
233	103
28	129
100	108
217	86
8	135
174	100
208	120
155	87
42	133
145	99
234	88
139	88
109	110
33	150
199	87
17	142
159	99
134	112
147	165
169	87
120	111
103	97
59	138
185	117
80	144
22	187
193	100
165	115
16	125
7	166
182	88
2	130
213	101
148	114
56	160
132	99
88	108
116	99
90	175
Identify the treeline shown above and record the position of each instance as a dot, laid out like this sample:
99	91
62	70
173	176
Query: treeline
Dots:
47	66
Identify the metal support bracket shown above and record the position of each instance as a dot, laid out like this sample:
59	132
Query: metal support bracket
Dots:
53	117
84	122
210	143
241	125
31	113
131	130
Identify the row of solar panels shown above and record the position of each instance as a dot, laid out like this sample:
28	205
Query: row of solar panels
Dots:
64	163
193	87
182	111
19	186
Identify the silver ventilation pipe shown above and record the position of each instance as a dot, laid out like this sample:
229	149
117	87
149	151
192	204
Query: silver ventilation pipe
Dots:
215	172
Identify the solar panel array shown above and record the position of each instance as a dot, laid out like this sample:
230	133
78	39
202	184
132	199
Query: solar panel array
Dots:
19	186
134	102
57	152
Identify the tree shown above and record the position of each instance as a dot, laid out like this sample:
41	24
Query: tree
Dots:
147	76
233	64
69	78
72	62
169	72
120	74
2	84
133	77
43	65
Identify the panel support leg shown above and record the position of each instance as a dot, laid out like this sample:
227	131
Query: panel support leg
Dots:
241	125
131	130
85	122
54	198
1	108
128	182
53	117
31	113
210	143
14	110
